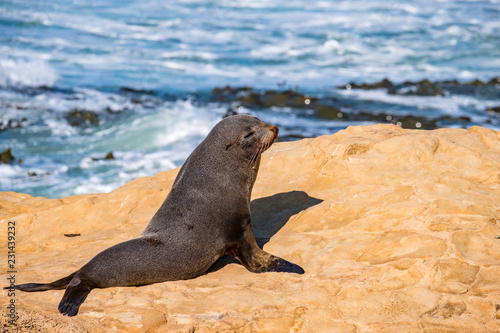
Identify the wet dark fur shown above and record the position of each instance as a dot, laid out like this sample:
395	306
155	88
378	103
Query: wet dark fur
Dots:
205	215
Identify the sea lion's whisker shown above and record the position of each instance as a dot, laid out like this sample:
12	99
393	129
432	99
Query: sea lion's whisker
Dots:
268	140
265	144
254	156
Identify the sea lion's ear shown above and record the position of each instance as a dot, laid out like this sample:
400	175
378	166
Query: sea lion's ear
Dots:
228	145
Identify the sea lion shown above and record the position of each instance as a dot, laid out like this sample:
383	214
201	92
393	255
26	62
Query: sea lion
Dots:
205	215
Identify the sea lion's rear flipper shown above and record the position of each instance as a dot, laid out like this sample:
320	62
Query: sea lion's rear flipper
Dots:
75	294
277	264
259	261
56	285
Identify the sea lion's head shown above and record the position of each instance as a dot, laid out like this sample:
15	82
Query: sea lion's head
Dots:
246	136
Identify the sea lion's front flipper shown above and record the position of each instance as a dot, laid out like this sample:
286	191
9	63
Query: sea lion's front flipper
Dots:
259	261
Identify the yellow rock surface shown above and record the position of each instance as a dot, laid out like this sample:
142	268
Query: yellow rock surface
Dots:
395	229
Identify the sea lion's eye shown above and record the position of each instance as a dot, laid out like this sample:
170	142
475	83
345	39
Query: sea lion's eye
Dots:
249	135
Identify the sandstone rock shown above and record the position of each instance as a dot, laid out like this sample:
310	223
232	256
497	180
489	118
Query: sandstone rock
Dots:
394	228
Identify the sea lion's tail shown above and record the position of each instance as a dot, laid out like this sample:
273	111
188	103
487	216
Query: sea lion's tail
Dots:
56	285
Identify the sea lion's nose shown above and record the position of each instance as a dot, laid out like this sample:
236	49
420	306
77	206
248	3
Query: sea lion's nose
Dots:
274	129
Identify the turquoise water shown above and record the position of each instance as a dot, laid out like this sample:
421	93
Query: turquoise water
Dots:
59	57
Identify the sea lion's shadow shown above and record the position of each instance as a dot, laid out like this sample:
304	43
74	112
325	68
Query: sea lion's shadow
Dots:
269	215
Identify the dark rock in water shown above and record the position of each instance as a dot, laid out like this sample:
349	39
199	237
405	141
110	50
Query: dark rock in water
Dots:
230	112
288	98
229	90
474	83
420	88
110	110
249	99
41	90
228	93
136	91
407	122
451	82
495	80
299	101
413	122
270	98
6	157
342	109
426	87
454	120
109	156
82	118
384	83
34	174
494	110
328	112
13	123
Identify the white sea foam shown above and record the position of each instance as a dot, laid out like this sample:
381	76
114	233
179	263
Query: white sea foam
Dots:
94	185
31	73
191	46
7	171
453	105
60	127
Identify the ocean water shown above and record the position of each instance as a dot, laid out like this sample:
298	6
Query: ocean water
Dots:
79	79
